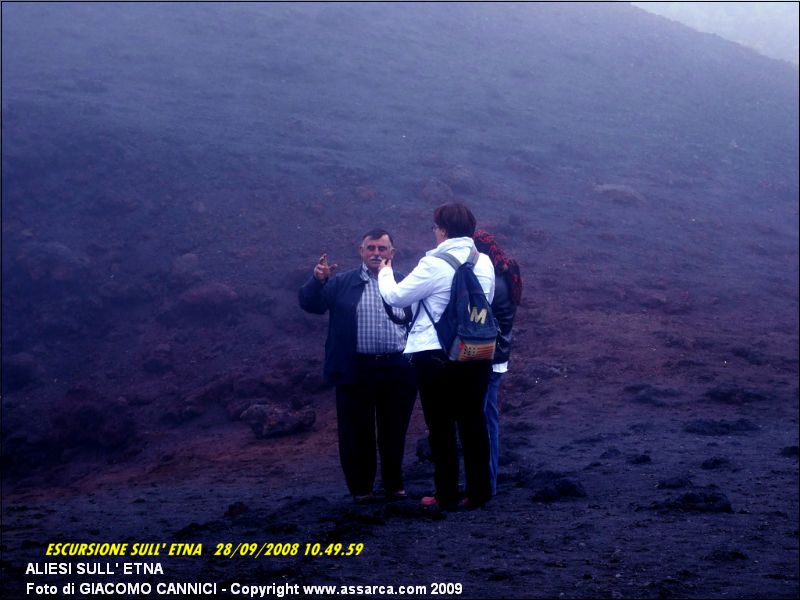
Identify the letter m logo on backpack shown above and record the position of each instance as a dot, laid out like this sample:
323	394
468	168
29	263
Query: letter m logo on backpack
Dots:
467	329
478	317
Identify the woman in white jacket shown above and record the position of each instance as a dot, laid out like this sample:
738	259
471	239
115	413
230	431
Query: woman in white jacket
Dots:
451	393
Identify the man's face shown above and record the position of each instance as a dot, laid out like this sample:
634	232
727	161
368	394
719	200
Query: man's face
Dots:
373	251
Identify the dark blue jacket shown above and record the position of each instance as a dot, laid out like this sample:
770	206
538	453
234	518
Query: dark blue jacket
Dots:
340	295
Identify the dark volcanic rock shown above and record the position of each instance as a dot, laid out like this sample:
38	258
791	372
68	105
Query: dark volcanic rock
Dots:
278	384
159	360
212	392
182	413
250	386
648	394
27	438
733	395
461	180
236	509
610	453
153	390
436	191
127	292
549	486
52	262
209	297
726	555
236	406
789	451
640	459
561	488
312	383
712	427
85	418
237	390
716	462
270	421
674	483
621	194
671	303
697	501
186	269
508	457
751	355
193	529
202	301
298	402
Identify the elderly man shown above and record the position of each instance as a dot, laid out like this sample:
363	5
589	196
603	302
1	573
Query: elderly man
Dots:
375	383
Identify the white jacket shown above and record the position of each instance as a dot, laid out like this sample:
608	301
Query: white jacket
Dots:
430	281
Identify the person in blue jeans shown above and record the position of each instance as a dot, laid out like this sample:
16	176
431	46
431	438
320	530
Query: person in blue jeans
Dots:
507	296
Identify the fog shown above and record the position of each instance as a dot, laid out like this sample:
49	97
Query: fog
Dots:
138	133
769	27
173	171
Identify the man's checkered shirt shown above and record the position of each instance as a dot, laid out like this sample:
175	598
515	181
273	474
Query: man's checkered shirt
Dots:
376	333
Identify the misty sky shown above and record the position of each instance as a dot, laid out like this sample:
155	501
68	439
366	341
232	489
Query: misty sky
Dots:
769	27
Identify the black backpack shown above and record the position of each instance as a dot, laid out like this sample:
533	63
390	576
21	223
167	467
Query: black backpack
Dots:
467	329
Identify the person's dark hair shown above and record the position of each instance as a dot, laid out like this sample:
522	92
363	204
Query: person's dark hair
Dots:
456	219
504	265
376	234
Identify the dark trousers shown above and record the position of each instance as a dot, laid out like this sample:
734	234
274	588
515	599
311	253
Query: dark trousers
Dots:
452	396
375	411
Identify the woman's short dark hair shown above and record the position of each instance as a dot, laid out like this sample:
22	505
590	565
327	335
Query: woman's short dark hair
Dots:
456	219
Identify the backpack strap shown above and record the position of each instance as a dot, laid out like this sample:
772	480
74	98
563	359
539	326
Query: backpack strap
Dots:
448	258
454	262
406	320
416	314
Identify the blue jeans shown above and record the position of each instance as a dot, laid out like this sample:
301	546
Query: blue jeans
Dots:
493	426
